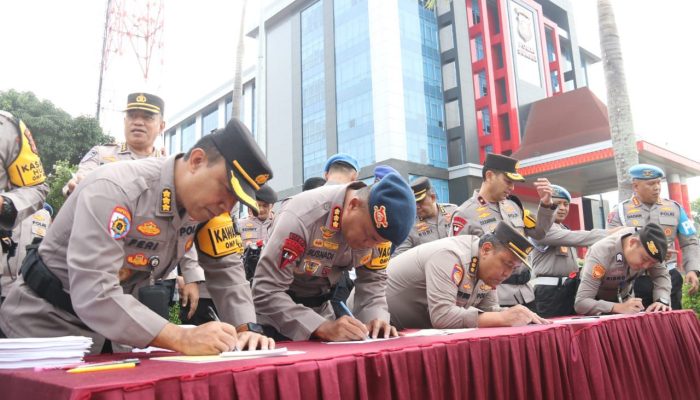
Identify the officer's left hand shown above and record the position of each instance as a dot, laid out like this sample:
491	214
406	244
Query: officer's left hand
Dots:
691	278
190	295
377	326
253	341
656	306
544	190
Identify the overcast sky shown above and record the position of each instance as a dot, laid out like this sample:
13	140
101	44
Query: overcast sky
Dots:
52	48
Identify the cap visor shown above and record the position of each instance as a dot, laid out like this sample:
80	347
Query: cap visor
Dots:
144	107
244	192
523	259
515	177
420	197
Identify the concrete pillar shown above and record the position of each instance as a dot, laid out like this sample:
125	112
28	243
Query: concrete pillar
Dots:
674	188
684	191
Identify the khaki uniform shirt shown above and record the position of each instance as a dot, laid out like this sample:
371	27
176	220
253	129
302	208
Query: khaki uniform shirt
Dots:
427	230
555	255
99	262
305	256
436	286
477	216
606	278
26	199
105	154
253	229
671	217
31	228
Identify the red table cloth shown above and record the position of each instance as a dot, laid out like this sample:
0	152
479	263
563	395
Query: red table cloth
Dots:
619	358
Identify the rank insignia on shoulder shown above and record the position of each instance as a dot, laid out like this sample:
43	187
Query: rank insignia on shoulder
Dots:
166	198
473	265
618	257
119	222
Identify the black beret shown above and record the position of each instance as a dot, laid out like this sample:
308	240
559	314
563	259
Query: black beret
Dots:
654	241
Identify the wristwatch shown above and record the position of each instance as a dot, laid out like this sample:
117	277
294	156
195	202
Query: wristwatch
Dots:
250	327
663	301
552	206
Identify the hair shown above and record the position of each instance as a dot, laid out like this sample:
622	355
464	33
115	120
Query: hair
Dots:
491	238
313	183
484	170
341	168
363	194
206	143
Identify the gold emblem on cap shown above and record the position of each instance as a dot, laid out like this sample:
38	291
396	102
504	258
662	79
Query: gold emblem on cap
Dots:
648	172
262	178
517	165
652	248
380	220
141	98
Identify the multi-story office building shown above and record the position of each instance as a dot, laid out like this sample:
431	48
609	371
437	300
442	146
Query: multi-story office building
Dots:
427	91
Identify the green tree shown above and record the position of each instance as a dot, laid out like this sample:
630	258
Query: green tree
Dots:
695	213
62	172
58	136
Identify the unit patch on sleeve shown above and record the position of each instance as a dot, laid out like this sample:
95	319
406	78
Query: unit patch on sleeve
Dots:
458	224
293	247
119	222
598	272
457	274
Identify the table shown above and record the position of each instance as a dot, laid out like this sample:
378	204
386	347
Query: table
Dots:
582	361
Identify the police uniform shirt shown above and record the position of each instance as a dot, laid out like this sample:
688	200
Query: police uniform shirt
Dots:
304	257
33	227
253	229
555	255
476	216
606	278
120	223
435	285
672	219
26	198
104	154
427	230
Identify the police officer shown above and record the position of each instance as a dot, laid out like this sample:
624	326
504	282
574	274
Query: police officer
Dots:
128	224
22	182
256	228
316	235
432	218
340	168
494	202
143	123
24	234
647	206
451	282
613	264
554	261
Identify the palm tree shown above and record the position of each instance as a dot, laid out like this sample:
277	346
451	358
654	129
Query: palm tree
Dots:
619	110
238	71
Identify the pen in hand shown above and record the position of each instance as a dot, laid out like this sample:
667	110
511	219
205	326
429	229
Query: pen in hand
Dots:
215	317
349	314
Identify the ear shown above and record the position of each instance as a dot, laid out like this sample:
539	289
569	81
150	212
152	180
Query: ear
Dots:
486	248
489	175
198	158
162	126
354	202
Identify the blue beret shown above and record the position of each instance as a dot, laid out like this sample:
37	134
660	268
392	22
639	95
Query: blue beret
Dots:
561	193
392	208
380	171
341	158
646	172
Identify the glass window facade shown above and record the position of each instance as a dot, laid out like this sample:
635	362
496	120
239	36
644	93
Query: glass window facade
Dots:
189	136
313	80
228	108
353	81
175	144
210	121
479	47
426	141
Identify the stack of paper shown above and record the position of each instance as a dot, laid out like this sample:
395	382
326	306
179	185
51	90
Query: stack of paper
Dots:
43	352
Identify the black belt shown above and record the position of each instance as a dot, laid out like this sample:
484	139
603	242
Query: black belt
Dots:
311	302
43	282
518	279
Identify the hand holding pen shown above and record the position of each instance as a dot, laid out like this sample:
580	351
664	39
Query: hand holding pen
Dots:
212	314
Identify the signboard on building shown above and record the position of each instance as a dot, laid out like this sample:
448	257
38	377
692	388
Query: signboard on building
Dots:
524	27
